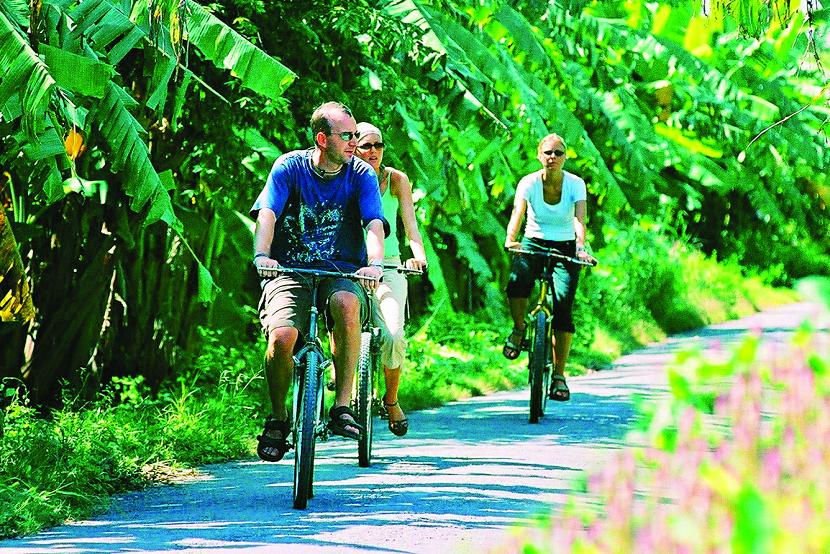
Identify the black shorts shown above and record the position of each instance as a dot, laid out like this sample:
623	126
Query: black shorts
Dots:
525	270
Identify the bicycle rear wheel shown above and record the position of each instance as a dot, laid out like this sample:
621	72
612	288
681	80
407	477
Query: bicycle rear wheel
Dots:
365	389
306	430
538	366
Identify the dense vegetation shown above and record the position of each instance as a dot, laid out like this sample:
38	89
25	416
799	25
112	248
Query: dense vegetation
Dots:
127	182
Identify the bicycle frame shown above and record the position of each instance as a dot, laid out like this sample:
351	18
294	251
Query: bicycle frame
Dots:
540	356
308	395
546	280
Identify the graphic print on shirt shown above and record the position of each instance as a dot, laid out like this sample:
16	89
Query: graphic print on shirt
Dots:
318	228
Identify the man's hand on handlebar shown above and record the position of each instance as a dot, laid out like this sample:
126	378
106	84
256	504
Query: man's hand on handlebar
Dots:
374	274
267	267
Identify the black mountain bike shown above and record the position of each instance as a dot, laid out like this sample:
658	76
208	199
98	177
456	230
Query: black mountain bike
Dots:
540	354
308	408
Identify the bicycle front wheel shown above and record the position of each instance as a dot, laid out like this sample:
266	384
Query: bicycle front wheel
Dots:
365	389
538	366
306	430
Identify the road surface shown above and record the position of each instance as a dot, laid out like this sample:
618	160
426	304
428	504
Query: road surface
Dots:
464	474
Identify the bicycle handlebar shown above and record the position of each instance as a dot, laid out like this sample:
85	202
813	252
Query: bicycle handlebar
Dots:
552	254
319	272
403	269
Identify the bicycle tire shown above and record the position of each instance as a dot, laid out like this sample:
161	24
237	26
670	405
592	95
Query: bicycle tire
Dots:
365	389
306	431
537	365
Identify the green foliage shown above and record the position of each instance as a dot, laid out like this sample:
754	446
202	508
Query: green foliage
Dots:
68	462
58	466
641	278
670	117
739	449
454	355
102	158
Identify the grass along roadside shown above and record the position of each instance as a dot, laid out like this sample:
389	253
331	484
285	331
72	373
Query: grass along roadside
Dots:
737	460
66	464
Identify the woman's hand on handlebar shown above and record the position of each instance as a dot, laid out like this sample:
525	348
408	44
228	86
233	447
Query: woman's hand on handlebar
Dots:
512	244
374	274
585	257
416	264
267	267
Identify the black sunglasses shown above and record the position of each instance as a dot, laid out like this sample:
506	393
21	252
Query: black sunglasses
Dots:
369	145
346	135
559	153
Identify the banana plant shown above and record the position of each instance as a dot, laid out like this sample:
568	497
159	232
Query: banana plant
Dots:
91	90
673	113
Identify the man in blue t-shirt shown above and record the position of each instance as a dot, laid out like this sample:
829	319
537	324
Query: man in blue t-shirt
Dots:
320	208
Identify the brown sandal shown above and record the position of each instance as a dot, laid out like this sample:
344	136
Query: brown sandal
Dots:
513	348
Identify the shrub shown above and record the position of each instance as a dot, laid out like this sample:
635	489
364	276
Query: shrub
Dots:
740	463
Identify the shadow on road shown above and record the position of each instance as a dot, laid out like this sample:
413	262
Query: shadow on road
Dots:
462	475
472	465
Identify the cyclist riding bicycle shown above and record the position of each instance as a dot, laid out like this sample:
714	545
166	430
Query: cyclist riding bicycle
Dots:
555	203
320	209
390	297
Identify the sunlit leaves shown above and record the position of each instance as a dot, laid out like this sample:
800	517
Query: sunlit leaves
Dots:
15	300
25	75
225	47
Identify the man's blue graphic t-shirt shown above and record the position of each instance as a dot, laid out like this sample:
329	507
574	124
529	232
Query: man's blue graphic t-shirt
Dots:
320	222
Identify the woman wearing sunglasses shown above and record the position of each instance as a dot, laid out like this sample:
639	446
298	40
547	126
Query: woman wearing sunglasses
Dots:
554	202
390	295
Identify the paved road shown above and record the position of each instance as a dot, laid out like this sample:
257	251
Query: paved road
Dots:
463	474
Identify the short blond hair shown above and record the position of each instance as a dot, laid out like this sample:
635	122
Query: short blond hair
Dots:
551	137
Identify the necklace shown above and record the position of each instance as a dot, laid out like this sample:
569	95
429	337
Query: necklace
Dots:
322	173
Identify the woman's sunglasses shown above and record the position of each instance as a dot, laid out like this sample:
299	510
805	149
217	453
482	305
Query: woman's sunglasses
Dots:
559	153
369	145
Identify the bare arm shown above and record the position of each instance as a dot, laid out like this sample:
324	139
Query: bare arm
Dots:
519	209
580	214
402	189
374	251
263	237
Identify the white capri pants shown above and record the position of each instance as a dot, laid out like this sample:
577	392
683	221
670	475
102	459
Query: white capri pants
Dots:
389	310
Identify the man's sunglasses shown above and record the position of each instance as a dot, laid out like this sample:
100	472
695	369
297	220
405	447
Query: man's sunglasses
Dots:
559	153
369	145
346	135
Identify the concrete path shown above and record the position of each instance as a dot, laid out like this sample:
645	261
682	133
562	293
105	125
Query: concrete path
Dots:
464	474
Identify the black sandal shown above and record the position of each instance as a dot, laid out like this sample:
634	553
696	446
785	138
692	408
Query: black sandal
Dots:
512	349
339	424
399	427
264	441
559	389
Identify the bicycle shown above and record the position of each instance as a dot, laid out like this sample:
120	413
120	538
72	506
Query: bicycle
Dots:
366	401
308	407
540	354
